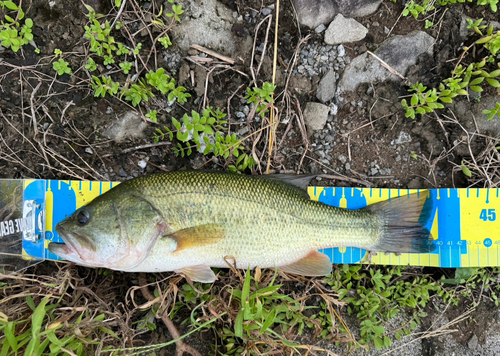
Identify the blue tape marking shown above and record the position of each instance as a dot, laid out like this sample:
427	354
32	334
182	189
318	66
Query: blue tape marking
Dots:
487	196
448	211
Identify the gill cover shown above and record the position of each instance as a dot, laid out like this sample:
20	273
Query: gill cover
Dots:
113	231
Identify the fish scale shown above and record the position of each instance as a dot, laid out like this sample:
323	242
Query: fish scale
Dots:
201	218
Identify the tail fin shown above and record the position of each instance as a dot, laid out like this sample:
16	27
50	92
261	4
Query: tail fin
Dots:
403	224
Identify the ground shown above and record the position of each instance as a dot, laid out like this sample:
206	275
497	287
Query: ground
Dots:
52	126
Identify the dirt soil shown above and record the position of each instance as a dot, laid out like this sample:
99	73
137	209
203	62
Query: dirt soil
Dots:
52	127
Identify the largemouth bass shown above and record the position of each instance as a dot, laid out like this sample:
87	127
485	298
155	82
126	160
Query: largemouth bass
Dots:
189	221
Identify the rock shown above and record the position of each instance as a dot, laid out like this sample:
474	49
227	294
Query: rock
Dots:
315	116
327	87
343	30
416	183
300	84
207	23
399	52
403	138
142	163
313	13
128	126
491	127
320	28
357	8
473	342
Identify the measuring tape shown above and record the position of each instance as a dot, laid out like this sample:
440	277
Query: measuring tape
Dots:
465	223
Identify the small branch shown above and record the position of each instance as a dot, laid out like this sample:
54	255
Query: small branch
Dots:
213	54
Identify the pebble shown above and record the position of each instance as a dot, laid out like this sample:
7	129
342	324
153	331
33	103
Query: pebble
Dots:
320	28
89	150
342	159
373	171
341	51
122	173
142	163
347	166
266	11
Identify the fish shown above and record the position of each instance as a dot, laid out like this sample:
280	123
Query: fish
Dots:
190	221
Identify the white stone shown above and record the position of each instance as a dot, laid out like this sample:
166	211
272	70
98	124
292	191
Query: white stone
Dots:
344	30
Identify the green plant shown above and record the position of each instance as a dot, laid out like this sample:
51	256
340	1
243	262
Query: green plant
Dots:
376	295
160	81
415	9
151	115
126	67
91	65
262	98
203	133
177	11
12	34
471	77
61	67
468	281
103	86
165	41
492	112
137	92
43	334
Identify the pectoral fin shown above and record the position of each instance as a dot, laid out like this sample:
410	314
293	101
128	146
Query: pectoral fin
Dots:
314	264
195	236
200	273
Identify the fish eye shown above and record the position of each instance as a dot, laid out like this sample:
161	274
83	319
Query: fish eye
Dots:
83	217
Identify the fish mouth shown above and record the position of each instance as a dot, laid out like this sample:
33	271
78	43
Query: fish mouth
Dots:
76	247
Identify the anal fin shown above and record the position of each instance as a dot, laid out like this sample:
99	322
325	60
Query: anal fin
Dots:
314	264
199	273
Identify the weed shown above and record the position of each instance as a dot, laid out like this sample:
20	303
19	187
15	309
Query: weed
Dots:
177	11
414	9
203	133
91	65
103	86
262	98
62	67
467	281
31	337
165	41
151	115
471	77
378	295
12	34
493	112
126	67
137	92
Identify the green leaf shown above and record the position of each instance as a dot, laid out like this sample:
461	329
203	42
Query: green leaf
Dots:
238	324
414	100
466	170
476	89
176	123
494	83
477	81
379	344
269	321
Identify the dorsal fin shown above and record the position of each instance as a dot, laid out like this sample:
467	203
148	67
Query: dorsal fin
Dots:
298	180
